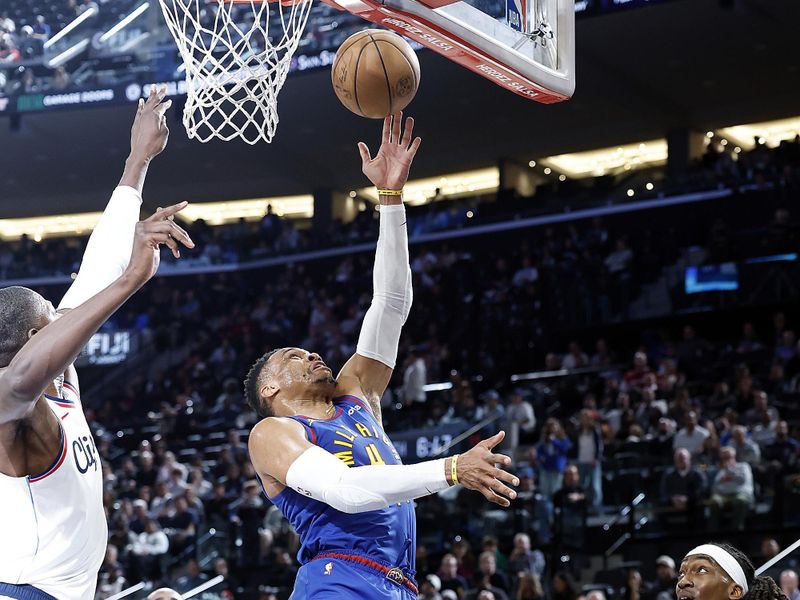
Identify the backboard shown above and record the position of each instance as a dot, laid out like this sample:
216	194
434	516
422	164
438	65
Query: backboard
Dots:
526	46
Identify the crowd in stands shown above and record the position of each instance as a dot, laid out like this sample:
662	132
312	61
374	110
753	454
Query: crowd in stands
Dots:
700	418
706	427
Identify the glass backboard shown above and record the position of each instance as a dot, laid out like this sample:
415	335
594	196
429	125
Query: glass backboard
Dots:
526	46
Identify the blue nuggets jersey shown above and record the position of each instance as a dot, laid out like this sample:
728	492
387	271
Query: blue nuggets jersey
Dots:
387	536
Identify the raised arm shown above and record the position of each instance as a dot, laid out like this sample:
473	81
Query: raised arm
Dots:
283	457
369	370
109	248
50	351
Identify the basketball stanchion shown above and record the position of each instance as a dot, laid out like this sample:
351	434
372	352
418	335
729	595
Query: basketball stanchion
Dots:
778	557
127	592
204	586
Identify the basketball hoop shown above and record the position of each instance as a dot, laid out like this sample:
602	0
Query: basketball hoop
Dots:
237	55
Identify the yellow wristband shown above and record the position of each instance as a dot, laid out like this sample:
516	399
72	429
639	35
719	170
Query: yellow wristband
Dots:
454	469
390	192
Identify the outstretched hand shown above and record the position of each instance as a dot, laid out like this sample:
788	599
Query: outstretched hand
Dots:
389	169
149	132
477	471
149	235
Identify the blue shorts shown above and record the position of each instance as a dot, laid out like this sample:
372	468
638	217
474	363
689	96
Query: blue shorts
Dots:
338	579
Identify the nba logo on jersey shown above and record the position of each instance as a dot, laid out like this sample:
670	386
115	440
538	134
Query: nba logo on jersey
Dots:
517	14
328	568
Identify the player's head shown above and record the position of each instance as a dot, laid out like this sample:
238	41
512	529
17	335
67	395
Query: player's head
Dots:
23	312
165	594
721	572
283	375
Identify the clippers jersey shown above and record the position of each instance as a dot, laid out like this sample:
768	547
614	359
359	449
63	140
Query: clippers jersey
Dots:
56	518
387	536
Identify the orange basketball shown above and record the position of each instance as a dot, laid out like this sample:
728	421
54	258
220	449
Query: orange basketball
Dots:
375	73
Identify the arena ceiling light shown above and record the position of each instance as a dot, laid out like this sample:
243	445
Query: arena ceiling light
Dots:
453	185
609	161
220	213
772	132
53	226
137	12
68	54
84	16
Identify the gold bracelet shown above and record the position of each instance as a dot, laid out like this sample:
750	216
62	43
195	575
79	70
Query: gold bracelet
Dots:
390	192
454	469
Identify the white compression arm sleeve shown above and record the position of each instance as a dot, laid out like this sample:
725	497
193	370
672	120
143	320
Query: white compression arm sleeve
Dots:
320	475
109	249
392	292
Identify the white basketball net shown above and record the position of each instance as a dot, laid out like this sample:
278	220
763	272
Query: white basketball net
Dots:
237	56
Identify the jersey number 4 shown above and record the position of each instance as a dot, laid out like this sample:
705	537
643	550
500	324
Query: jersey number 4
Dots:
374	456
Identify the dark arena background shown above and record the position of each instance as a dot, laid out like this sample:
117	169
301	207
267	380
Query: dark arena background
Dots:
608	279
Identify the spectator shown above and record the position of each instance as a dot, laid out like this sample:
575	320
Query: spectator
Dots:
683	486
183	524
414	378
746	450
570	502
575	358
429	588
663	588
530	587
596	595
551	454
760	410
147	548
524	560
41	30
488	575
521	419
691	436
192	578
588	445
526	274
9	53
451	580
639	375
564	587
732	489
789	584
61	79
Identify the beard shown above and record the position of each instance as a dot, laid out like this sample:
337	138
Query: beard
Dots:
325	379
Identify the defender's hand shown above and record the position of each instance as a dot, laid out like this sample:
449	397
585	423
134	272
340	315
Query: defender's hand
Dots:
389	169
149	235
477	471
149	132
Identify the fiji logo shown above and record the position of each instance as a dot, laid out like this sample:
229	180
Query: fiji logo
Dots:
328	568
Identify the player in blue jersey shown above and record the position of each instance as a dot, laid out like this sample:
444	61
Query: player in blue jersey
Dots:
320	450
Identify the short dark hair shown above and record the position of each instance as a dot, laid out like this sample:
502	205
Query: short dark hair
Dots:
251	385
21	309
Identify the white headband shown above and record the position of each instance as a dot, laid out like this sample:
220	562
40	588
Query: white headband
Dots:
725	560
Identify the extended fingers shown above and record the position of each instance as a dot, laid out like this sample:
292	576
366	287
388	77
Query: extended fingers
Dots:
409	129
171	230
165	213
499	459
397	119
387	127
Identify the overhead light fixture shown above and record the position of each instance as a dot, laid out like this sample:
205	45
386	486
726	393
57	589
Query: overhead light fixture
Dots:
613	160
68	54
84	16
709	134
548	170
532	164
137	12
772	132
630	193
562	177
220	213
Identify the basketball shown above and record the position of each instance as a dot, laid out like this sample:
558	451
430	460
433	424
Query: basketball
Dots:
375	73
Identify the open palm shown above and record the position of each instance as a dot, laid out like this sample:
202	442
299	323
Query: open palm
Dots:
389	169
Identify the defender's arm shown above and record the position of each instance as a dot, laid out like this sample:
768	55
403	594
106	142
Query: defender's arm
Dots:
49	352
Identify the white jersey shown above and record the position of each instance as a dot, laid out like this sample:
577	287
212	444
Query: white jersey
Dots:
52	525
